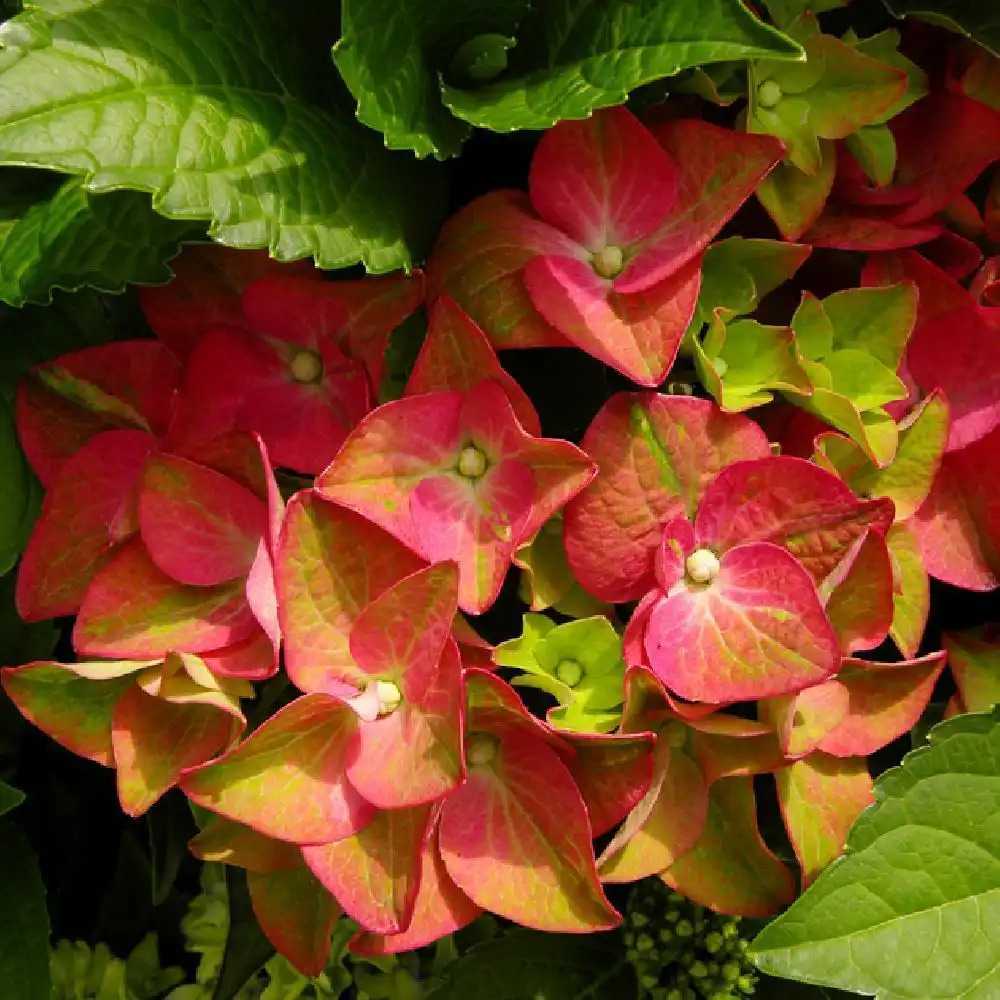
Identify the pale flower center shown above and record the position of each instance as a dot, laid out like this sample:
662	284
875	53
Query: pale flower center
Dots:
769	94
609	261
306	366
480	749
388	696
471	462
569	672
378	698
702	566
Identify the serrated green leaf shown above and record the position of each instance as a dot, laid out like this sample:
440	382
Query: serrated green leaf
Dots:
912	909
74	239
394	54
208	109
24	943
524	963
974	18
575	56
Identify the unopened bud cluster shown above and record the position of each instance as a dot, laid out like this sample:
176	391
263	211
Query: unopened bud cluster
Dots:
683	951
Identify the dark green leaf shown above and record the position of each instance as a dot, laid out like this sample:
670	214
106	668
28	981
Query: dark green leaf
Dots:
209	108
394	52
74	239
247	949
24	938
20	495
525	963
911	910
979	19
10	797
574	56
171	826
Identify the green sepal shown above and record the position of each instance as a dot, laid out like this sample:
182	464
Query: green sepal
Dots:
579	663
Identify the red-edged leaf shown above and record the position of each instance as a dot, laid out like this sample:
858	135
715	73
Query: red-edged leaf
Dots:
331	564
517	840
495	707
958	526
603	180
252	659
757	630
154	741
207	290
439	909
81	519
658	833
73	710
414	754
612	773
886	700
134	609
726	746
821	797
456	355
804	719
474	524
287	779
938	292
356	317
966	141
235	844
199	526
860	608
959	352
717	170
374	874
376	480
656	455
62	404
843	228
730	870
296	915
792	503
974	658
303	402
401	635
417	491
911	599
637	334
479	259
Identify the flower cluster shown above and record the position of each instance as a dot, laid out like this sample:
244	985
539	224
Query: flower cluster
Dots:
724	575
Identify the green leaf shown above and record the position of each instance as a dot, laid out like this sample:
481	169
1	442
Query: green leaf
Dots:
246	947
525	963
975	18
737	273
911	910
10	797
72	239
24	943
575	56
393	53
170	827
209	109
21	495
741	362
